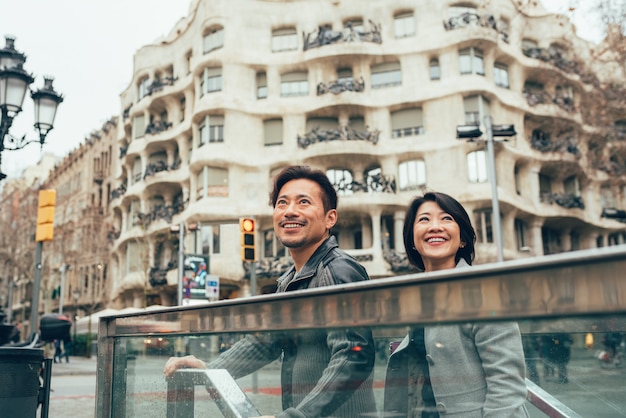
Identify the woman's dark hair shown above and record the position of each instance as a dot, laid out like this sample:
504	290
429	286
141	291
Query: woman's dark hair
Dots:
451	206
295	172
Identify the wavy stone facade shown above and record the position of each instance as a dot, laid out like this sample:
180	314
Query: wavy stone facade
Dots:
371	92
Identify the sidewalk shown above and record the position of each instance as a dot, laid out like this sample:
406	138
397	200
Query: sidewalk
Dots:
76	366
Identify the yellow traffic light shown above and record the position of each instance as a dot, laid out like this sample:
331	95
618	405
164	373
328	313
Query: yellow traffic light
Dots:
248	246
45	215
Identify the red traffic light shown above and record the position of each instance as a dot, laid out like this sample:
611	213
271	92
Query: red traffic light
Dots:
246	224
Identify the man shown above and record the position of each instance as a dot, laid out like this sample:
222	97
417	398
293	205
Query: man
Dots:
324	373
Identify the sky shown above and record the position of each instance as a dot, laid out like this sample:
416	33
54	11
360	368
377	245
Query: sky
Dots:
88	47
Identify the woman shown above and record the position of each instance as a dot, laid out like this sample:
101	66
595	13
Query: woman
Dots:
464	370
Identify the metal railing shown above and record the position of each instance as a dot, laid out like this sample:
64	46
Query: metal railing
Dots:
585	290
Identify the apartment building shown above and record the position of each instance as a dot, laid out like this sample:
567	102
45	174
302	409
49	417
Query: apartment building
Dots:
373	93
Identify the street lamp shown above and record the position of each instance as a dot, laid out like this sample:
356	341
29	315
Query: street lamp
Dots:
474	133
76	296
14	82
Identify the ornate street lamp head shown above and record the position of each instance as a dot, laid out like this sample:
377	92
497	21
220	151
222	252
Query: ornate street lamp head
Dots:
46	102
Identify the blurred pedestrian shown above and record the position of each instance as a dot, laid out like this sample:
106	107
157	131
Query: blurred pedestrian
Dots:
58	351
67	348
557	349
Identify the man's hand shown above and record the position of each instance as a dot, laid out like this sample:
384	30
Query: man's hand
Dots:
187	362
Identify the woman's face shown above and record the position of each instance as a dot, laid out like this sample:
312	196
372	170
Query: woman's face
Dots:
437	237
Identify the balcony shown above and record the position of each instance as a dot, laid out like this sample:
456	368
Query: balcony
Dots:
555	57
326	36
156	127
473	19
541	141
339	86
566	200
342	132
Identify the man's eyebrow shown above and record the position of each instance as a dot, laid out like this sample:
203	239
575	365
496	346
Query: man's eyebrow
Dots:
284	196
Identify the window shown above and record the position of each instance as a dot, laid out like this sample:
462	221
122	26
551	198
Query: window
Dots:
501	75
477	167
344	75
139	126
189	149
434	69
471	61
484	225
476	108
571	186
211	130
518	180
158	158
136	170
411	175
217	182
134	258
143	87
261	85
321	123
285	39
294	84
211	80
272	247
620	128
188	62
574	239
551	241
212	182
404	25
387	74
357	123
455	11
341	179
182	106
545	186
273	132
206	239
406	122
607	198
213	39
133	211
520	234
354	24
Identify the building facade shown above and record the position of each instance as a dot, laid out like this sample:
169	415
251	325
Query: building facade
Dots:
372	93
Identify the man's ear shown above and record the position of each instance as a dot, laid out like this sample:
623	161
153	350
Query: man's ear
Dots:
331	219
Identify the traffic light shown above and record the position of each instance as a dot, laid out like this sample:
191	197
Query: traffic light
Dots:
248	246
45	215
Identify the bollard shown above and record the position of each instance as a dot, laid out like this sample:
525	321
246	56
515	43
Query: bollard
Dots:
19	381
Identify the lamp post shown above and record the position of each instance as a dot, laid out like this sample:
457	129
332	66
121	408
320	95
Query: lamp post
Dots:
14	82
76	296
474	133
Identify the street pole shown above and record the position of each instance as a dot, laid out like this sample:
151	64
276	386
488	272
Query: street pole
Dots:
181	261
34	305
62	289
491	164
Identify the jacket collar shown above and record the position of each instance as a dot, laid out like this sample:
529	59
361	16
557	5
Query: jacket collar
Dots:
310	267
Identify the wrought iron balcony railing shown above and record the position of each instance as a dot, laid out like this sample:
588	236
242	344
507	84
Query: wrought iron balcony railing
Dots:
339	86
566	200
342	132
473	19
325	36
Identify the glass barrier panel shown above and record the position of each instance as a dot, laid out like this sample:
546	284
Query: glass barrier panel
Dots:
577	361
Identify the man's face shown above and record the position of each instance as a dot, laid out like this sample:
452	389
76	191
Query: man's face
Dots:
299	217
